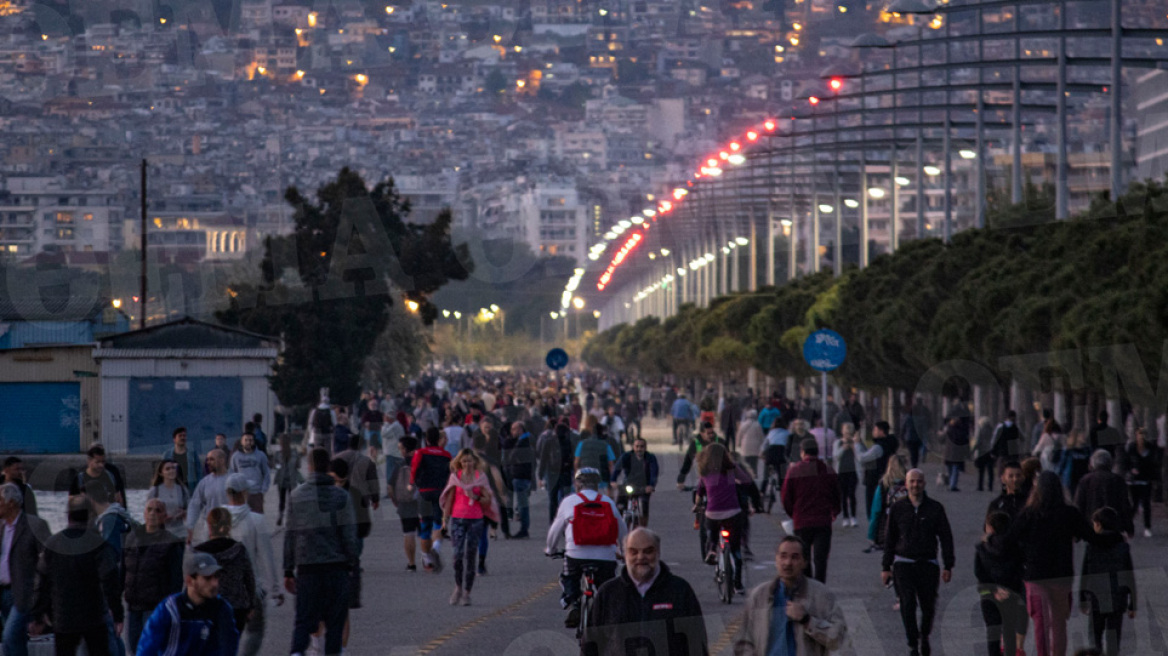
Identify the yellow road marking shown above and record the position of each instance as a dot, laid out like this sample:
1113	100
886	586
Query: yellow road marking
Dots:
441	640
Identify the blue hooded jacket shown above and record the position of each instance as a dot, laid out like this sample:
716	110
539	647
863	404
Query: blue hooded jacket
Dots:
179	628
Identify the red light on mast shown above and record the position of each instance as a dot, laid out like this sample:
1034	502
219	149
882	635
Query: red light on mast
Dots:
751	136
836	84
769	125
813	100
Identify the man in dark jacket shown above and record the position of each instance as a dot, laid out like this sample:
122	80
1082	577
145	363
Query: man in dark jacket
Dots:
1007	440
555	465
1104	436
519	469
18	566
811	497
14	473
875	460
1104	488
152	564
640	469
78	586
916	525
320	547
706	437
645	609
1010	501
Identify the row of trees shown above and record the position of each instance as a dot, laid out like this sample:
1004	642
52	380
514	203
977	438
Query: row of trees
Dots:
1027	299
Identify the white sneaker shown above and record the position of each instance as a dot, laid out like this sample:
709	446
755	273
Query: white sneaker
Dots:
315	646
1147	532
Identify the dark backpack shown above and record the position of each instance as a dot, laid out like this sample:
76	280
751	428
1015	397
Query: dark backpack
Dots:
566	461
322	421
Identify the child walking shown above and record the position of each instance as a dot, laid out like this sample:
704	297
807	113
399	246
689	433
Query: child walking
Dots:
1107	585
999	578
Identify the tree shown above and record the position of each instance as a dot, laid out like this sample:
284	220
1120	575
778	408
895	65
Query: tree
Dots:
496	83
326	288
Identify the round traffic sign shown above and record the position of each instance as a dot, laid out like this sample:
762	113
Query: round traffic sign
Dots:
557	359
824	350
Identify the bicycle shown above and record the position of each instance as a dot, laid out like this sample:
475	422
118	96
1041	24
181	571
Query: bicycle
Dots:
724	568
588	593
699	510
633	515
772	488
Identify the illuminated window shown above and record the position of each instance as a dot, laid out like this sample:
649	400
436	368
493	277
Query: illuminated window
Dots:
88	216
64	217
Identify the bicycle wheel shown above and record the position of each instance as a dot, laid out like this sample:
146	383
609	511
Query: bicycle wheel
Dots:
585	613
727	576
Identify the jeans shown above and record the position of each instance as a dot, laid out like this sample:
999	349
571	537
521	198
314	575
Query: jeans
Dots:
917	584
954	472
818	541
135	622
1141	496
15	626
985	467
848	481
520	491
391	465
1049	605
116	644
322	594
574	569
555	497
253	634
466	535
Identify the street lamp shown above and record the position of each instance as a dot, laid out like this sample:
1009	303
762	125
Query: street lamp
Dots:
578	303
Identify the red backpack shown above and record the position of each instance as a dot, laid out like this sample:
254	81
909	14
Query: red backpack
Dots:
593	523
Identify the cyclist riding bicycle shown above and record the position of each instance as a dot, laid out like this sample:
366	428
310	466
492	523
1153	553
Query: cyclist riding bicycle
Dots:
774	452
640	473
705	438
720	477
684	414
591	527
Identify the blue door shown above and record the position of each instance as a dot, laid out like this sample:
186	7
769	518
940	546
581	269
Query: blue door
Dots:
204	406
40	417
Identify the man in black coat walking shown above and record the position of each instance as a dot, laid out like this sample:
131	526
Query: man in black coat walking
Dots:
647	609
18	565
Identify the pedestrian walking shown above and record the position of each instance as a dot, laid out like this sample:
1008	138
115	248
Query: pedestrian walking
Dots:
23	542
288	474
152	563
237	578
646	609
917	526
811	498
1011	500
1104	436
555	466
889	489
1107	582
750	440
846	465
1045	531
190	466
1142	470
211	492
78	589
253	465
174	496
429	470
519	472
998	570
1076	460
466	502
791	614
250	529
15	474
1007	442
1050	447
194	622
100	481
1104	488
407	505
983	456
956	449
874	460
320	548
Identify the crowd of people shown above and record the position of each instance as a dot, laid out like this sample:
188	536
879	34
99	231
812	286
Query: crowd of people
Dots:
459	455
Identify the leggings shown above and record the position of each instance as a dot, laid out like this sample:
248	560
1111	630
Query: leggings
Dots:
466	535
848	481
1049	605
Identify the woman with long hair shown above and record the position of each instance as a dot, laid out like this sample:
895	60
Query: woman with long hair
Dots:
166	487
846	463
1051	445
719	478
1045	531
466	502
890	490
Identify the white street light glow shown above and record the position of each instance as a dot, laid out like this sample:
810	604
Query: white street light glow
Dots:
876	192
931	170
851	203
826	209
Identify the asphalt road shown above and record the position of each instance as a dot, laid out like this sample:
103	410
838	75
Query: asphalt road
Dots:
516	611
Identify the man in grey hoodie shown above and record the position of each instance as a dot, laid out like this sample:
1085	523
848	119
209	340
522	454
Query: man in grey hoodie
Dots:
251	530
253	464
211	492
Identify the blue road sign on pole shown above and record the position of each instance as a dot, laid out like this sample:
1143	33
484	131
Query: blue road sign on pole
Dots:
824	350
557	359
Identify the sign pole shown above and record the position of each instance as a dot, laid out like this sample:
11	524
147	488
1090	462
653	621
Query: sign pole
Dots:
823	400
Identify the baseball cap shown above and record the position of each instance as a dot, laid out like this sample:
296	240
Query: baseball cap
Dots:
200	564
238	483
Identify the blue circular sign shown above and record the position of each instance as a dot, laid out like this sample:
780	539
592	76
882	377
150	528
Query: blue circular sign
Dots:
824	350
557	359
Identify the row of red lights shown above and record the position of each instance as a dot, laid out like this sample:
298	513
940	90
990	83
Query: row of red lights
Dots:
679	194
632	243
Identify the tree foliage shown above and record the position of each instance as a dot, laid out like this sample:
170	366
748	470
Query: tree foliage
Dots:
326	288
1026	286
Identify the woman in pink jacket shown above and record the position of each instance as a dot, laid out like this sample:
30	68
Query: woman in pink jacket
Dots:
466	501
